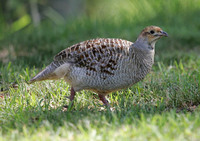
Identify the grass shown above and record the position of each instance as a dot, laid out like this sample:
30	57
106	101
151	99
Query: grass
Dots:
164	106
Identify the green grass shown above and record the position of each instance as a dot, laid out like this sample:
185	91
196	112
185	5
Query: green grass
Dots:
164	106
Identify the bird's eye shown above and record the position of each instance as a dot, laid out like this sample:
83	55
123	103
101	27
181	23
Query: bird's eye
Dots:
152	32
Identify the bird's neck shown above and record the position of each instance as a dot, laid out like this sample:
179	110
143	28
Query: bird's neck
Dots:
143	44
144	50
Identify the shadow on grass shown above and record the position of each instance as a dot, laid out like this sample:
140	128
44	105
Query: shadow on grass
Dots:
34	117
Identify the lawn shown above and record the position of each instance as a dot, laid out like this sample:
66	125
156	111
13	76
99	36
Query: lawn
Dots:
164	106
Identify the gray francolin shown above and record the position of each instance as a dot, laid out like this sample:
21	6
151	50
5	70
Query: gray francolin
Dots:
104	65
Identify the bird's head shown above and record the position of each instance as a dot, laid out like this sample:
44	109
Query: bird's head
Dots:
151	34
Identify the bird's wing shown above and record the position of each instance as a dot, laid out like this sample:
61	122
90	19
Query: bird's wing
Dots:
100	55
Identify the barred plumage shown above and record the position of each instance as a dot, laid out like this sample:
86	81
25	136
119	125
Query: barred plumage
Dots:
104	65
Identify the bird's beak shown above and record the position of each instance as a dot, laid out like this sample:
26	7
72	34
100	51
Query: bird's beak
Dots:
163	33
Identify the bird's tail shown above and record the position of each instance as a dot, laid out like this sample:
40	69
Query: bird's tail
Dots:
54	71
45	74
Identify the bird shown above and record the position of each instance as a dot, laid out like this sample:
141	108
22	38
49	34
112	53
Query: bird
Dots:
104	65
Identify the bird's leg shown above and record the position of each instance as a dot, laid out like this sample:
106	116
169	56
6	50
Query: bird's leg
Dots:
103	99
72	94
71	97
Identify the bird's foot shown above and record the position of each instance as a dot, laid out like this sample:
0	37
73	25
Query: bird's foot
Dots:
70	106
105	107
